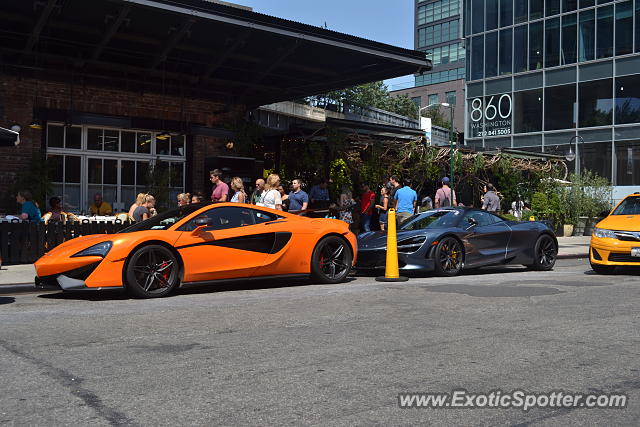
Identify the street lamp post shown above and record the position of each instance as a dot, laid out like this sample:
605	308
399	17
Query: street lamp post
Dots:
571	156
451	142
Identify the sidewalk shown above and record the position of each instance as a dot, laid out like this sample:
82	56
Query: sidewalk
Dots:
21	275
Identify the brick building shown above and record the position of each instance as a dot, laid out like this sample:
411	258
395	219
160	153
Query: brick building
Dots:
118	86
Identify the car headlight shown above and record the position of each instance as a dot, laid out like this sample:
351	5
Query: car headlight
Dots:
412	244
100	249
601	232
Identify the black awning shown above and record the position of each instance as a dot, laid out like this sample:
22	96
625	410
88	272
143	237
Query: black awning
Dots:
191	47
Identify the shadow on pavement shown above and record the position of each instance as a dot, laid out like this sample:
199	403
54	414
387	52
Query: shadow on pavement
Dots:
619	271
7	300
222	286
469	272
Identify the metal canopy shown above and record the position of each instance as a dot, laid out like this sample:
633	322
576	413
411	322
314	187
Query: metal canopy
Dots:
194	48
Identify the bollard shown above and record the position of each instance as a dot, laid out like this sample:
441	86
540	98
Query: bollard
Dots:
391	270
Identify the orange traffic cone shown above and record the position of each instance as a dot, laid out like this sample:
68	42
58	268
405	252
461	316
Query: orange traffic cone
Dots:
391	270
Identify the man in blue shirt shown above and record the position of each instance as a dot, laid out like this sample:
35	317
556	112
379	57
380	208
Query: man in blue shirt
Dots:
298	199
319	194
406	199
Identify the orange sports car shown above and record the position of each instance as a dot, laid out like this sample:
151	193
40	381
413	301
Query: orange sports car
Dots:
616	239
201	243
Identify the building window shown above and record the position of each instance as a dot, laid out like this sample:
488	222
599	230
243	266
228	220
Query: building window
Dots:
450	97
440	77
521	11
604	43
446	54
478	17
596	157
552	42
595	102
586	39
60	136
624	28
520	49
439	33
113	162
535	45
506	13
569	40
628	163
437	10
536	9
477	57
491	54
527	111
504	53
569	5
552	7
637	31
560	107
491	19
628	99
433	99
417	100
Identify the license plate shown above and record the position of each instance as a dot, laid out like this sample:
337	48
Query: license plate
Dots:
635	252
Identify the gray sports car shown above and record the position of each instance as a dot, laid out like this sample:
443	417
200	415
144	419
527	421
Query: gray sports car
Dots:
446	241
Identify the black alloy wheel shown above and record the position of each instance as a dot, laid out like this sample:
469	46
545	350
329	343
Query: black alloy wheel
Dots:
331	260
152	272
448	257
545	254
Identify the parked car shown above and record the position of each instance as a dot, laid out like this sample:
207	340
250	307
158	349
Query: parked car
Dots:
449	240
201	243
616	239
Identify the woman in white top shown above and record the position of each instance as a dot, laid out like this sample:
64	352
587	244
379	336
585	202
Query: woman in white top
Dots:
271	196
237	185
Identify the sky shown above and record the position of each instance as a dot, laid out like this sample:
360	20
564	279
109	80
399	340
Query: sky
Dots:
386	21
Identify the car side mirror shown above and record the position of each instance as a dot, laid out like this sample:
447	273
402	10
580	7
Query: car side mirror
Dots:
201	223
472	223
603	214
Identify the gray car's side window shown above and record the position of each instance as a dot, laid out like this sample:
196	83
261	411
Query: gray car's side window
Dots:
483	218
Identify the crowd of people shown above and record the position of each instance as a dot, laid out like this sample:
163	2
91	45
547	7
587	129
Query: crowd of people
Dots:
366	211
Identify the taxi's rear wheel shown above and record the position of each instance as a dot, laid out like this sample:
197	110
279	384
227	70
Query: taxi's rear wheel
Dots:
603	269
331	260
152	271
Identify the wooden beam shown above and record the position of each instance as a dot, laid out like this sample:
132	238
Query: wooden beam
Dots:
111	31
172	42
217	63
37	29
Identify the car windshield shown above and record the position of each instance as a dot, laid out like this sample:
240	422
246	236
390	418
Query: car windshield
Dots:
164	220
629	206
431	219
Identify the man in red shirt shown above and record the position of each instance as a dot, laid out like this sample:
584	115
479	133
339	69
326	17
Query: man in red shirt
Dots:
366	207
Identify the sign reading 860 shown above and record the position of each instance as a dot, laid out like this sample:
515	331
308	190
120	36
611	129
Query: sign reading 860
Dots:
501	108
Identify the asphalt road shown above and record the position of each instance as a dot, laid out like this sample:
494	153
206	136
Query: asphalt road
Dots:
293	353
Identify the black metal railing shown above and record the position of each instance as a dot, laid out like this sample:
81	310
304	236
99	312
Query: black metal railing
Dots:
25	242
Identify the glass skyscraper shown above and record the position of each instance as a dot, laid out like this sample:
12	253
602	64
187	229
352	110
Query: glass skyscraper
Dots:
438	33
543	74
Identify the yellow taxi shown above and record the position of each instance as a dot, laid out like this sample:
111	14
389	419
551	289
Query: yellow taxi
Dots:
616	239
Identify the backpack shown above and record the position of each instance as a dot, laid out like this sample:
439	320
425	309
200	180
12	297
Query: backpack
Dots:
445	201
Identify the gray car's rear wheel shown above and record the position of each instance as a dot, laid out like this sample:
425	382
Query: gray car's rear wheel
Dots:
152	271
544	254
448	257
